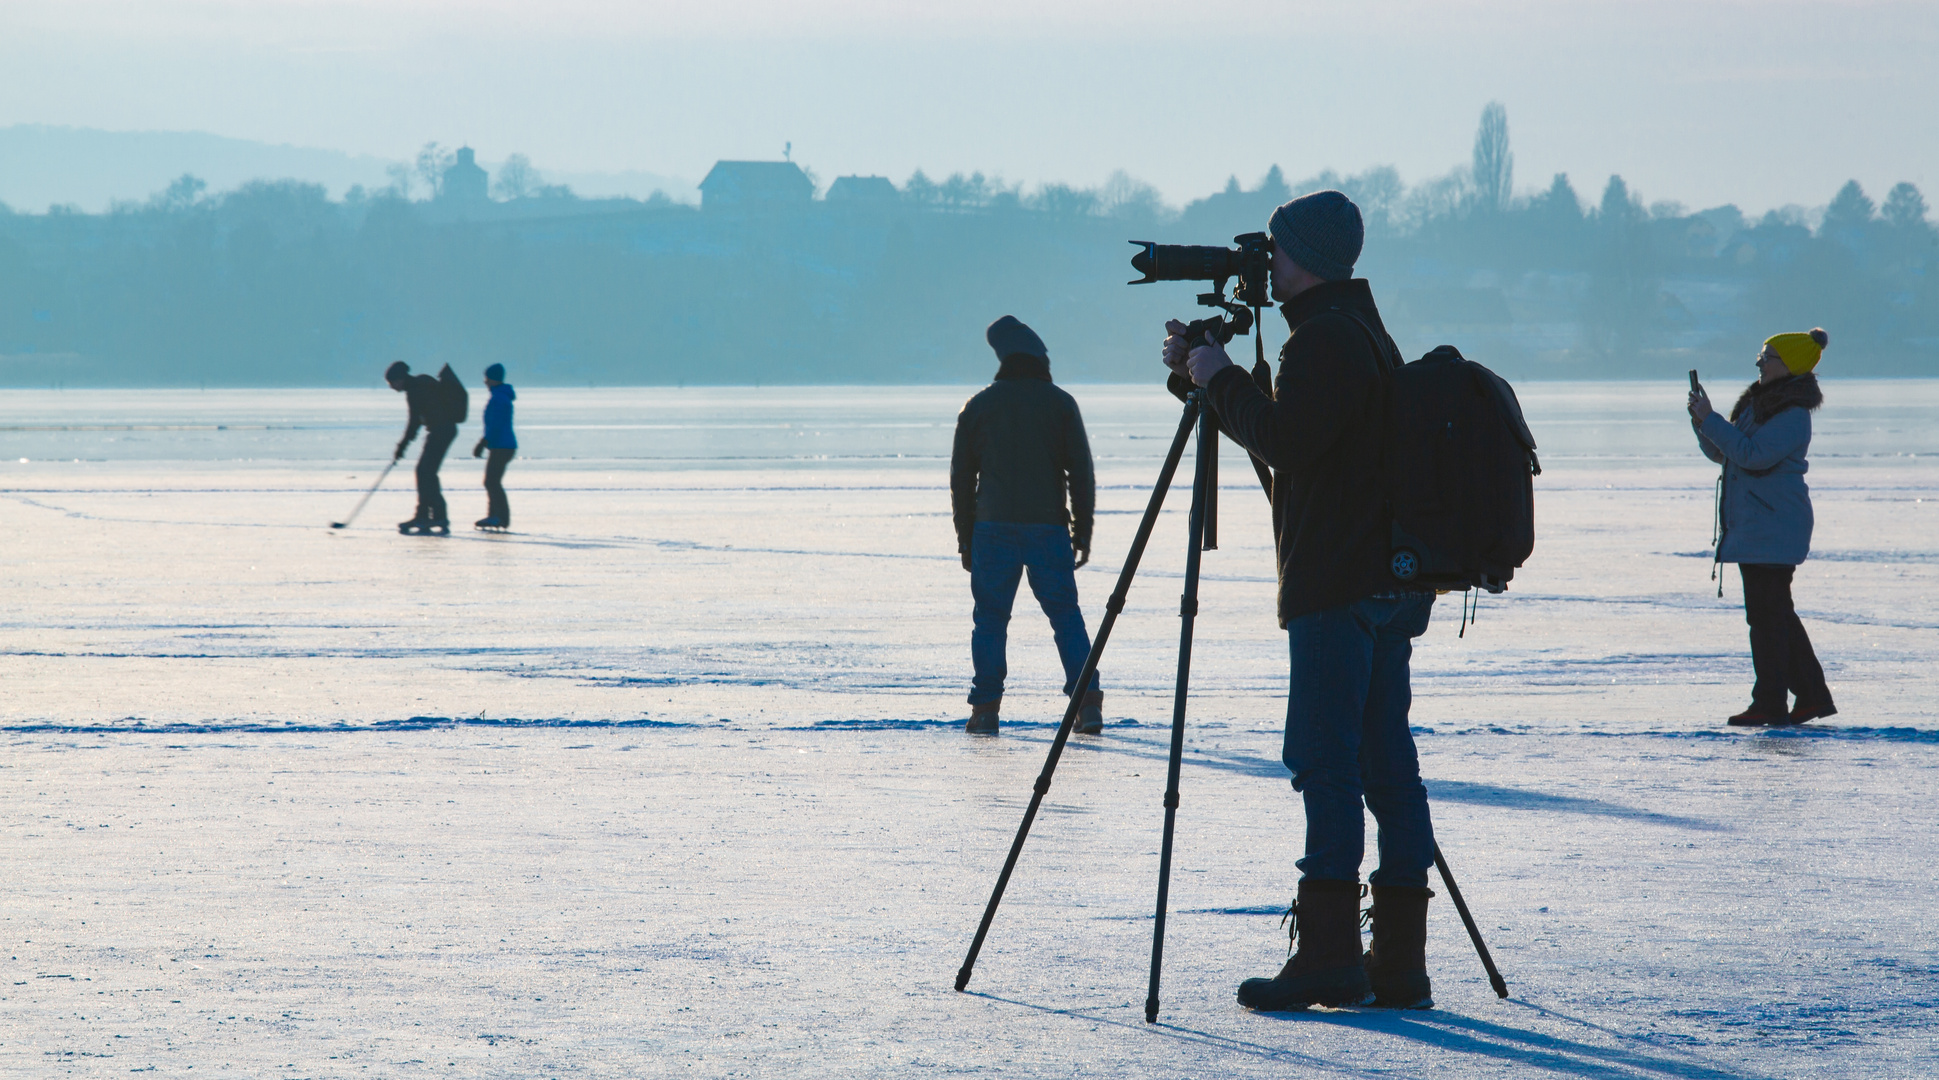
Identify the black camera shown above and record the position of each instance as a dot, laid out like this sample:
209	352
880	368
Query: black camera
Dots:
1251	264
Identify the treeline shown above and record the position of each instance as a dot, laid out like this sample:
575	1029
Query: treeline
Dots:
275	283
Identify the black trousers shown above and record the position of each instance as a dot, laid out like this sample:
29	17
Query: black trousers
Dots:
495	483
430	495
1780	650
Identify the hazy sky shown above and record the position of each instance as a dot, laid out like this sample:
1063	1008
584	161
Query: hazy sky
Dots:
1702	101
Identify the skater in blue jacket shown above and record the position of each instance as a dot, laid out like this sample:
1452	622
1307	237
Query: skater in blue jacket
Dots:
503	446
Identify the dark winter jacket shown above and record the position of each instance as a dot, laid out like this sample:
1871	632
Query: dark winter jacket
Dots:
1766	511
498	418
1020	449
1320	432
423	393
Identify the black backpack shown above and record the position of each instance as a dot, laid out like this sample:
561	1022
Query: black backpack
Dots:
453	403
1457	467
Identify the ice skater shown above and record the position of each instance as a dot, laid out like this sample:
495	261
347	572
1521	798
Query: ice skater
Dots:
431	409
1764	520
1350	631
1020	449
498	439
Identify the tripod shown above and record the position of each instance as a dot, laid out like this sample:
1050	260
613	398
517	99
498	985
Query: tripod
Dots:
1202	537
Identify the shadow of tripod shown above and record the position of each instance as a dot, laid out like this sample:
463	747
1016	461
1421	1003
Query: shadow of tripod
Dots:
1202	536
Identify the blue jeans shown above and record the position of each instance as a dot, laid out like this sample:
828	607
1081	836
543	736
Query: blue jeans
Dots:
1347	738
999	554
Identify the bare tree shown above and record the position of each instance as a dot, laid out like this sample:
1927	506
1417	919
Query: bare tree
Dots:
516	178
1494	164
401	180
432	160
1125	196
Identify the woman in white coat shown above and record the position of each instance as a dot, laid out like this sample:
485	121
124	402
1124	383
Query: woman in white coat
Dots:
1766	521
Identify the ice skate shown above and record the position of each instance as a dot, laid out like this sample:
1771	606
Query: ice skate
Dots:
489	524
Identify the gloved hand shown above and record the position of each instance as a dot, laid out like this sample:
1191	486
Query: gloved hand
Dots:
966	559
1083	556
479	450
1207	360
401	444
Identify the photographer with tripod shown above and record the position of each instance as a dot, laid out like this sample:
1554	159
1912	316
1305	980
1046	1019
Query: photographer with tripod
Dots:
1349	630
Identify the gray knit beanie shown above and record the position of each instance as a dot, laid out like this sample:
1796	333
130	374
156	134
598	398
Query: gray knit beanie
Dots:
1008	336
1322	232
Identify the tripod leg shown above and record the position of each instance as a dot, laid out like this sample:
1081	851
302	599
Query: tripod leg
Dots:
1111	609
1474	932
1188	614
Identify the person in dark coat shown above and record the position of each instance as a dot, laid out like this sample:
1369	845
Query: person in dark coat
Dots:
427	412
1020	450
1764	520
498	439
1350	632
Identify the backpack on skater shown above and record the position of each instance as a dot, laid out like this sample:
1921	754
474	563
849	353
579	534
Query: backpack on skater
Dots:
453	403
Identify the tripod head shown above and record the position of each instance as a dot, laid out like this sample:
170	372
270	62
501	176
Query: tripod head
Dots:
1237	319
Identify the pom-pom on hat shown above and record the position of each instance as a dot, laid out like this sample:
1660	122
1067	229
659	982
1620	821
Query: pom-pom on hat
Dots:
1800	352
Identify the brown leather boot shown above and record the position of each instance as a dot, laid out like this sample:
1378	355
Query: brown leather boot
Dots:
1327	968
982	719
1397	962
1090	715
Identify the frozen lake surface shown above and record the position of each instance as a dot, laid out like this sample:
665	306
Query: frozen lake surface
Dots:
668	782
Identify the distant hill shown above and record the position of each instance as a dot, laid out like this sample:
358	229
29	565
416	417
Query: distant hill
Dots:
41	165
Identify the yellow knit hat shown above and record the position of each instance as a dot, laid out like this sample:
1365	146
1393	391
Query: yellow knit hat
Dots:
1799	352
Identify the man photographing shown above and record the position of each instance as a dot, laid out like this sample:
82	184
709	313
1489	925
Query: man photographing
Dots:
1350	632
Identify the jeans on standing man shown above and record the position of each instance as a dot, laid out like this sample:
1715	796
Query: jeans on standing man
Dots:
1000	555
1021	451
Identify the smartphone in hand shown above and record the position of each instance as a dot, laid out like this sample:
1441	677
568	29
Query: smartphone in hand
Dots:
1695	387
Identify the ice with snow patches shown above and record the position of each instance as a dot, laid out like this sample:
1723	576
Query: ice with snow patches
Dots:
669	781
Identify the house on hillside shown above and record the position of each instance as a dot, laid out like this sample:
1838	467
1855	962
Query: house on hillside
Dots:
862	190
736	185
465	181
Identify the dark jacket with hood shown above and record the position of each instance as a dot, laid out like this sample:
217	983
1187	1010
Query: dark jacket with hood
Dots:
1020	449
1766	505
1320	432
424	396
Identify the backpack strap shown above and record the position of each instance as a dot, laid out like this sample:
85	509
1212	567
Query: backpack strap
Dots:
1386	350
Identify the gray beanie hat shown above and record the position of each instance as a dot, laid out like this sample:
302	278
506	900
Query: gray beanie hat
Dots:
1322	232
1008	336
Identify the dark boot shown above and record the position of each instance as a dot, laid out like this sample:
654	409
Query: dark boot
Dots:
1397	962
982	719
1806	712
1757	716
1090	715
1327	969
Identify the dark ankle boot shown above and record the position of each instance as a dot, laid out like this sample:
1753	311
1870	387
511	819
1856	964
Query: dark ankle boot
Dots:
1397	962
983	718
1327	968
1090	715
